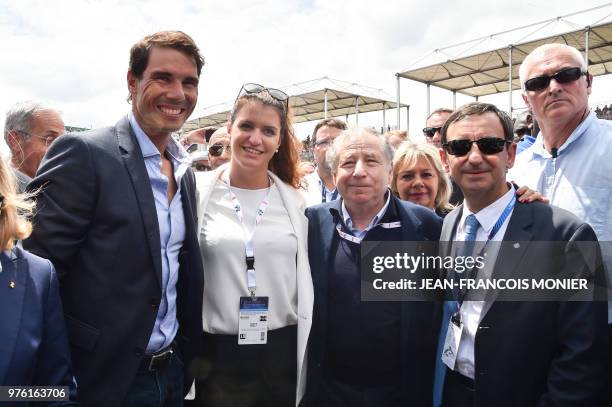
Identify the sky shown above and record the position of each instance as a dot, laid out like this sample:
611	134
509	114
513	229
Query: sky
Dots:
73	55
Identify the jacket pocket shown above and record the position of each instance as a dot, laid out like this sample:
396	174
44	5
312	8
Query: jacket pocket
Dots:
81	334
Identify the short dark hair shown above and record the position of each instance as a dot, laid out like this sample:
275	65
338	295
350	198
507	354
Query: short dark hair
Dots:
478	108
335	123
178	40
440	110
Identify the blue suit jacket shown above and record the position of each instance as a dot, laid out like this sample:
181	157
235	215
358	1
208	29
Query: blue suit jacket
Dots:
33	344
536	353
419	320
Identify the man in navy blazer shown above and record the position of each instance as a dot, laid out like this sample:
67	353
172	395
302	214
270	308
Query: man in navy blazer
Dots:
511	353
116	216
33	345
365	353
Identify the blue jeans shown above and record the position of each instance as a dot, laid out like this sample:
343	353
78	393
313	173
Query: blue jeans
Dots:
161	388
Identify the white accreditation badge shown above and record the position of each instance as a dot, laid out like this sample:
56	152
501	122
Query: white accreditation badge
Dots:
451	344
253	321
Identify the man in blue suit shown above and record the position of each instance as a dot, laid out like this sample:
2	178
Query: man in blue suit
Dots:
117	217
365	353
529	353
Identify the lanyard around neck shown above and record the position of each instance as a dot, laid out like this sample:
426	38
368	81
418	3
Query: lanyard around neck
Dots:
355	239
248	235
500	221
324	192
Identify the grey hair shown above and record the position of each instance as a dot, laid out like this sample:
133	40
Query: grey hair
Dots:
577	55
19	118
335	148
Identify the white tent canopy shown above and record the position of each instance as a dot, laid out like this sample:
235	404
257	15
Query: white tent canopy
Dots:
485	71
312	100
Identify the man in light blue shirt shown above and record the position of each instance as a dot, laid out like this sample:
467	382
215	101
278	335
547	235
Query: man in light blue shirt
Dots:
571	160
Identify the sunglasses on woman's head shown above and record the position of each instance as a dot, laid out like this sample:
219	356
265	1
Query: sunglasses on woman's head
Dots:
486	145
254	88
565	75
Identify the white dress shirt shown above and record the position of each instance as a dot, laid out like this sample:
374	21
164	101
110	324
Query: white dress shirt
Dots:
471	310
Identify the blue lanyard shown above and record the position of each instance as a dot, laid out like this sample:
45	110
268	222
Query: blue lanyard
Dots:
502	218
500	221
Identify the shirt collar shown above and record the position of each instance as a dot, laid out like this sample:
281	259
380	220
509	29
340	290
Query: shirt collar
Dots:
488	216
349	222
176	152
538	145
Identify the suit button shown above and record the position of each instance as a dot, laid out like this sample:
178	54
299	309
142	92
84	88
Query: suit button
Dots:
154	303
138	352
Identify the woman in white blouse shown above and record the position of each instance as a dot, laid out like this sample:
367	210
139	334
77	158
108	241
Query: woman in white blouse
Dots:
258	295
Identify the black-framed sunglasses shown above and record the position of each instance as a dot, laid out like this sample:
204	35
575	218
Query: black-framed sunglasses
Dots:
254	88
217	149
431	131
486	145
565	75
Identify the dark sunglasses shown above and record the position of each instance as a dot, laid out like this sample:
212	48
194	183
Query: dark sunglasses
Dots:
486	145
565	75
254	88
431	131
216	149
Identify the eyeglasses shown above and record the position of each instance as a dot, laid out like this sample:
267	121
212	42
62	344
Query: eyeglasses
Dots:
431	131
46	139
217	149
565	75
254	88
486	145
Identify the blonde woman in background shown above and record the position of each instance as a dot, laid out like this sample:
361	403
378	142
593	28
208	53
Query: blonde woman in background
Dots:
419	177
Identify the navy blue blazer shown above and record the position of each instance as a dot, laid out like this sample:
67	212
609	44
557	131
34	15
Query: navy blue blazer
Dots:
33	344
96	221
534	353
419	320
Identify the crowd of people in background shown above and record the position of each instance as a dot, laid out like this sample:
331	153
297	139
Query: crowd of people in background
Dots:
222	269
604	112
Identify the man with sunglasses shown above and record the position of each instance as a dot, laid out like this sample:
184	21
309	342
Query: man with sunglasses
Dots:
218	148
559	344
434	124
570	161
28	130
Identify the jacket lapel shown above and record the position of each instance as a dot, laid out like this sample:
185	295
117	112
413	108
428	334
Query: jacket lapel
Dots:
134	163
329	244
510	255
449	227
14	269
